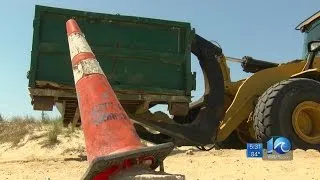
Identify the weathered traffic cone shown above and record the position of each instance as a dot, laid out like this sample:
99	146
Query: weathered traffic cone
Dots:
112	143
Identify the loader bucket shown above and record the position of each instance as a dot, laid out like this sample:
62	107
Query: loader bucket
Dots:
203	129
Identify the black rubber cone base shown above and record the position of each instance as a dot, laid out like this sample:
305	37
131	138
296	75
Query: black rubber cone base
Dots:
98	165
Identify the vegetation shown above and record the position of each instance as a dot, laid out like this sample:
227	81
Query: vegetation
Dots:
44	118
1	118
78	150
70	131
14	130
54	131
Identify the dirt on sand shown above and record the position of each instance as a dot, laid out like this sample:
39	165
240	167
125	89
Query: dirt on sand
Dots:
66	160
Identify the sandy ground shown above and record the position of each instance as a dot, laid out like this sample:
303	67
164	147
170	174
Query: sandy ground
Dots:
30	160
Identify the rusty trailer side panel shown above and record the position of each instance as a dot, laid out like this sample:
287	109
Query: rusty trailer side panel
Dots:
147	61
138	55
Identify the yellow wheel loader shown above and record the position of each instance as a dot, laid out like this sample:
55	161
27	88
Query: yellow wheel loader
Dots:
277	100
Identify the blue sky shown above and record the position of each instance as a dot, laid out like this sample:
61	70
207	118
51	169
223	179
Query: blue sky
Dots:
261	29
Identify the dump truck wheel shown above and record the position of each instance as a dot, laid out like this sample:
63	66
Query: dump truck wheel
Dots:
291	109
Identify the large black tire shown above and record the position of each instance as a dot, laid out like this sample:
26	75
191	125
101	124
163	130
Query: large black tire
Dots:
273	111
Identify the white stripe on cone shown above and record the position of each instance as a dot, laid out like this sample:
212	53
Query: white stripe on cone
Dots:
78	44
86	67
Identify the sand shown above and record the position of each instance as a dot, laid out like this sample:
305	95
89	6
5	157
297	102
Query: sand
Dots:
66	160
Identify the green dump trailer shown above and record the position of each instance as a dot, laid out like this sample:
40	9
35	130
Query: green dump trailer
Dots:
147	61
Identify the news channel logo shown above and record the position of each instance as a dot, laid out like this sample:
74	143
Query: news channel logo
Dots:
277	148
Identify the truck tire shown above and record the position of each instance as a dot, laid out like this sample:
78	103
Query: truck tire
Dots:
276	114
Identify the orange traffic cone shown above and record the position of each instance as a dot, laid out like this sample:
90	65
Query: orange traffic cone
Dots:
111	140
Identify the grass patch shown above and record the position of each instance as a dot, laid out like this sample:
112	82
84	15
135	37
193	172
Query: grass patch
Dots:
45	121
13	130
70	131
79	150
54	130
44	118
16	128
53	133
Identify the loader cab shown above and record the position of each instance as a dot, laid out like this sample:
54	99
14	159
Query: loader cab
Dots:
311	29
314	47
